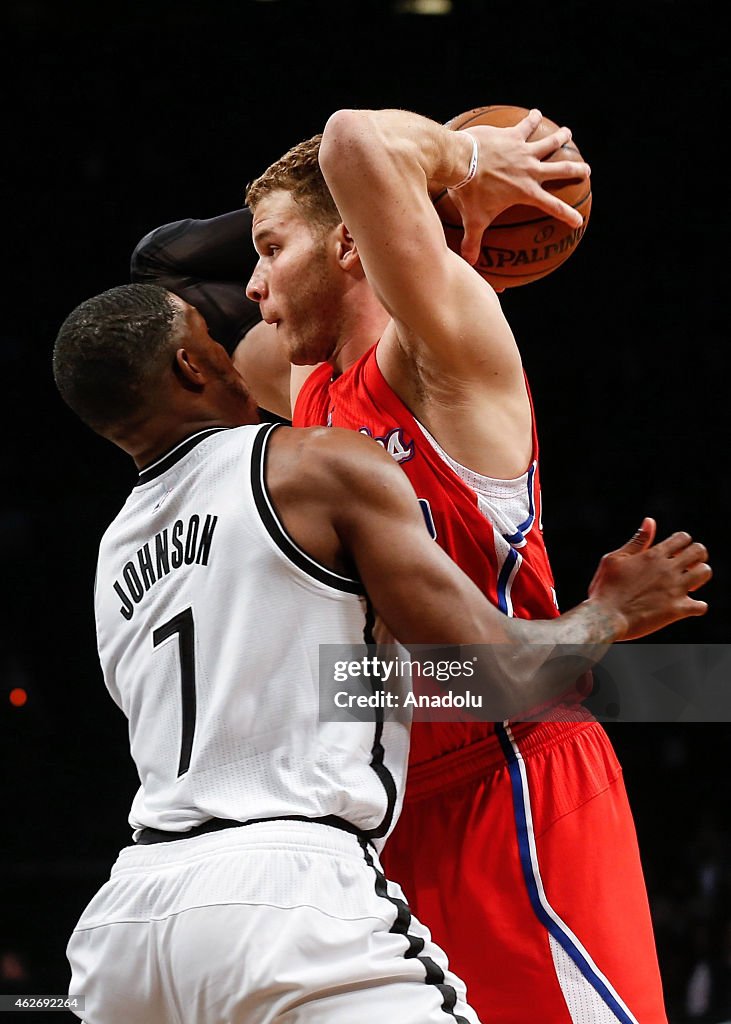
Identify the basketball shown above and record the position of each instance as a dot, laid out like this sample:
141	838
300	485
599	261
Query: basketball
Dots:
523	243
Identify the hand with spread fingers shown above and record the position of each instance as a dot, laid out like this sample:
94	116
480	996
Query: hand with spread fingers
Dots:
511	169
650	584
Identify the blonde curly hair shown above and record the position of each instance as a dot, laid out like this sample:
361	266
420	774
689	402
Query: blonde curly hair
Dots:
298	172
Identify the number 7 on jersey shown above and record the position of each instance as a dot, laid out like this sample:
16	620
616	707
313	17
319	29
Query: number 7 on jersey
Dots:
182	624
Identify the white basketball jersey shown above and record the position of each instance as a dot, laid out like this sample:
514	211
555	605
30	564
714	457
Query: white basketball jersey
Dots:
209	620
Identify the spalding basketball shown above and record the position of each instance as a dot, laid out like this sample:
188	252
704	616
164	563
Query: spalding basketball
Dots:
523	243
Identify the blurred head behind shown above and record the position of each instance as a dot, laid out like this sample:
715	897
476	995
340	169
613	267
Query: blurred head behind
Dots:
138	366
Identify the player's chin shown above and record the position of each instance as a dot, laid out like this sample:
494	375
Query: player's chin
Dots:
292	345
307	354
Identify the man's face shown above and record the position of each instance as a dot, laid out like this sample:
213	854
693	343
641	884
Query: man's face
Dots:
226	387
297	281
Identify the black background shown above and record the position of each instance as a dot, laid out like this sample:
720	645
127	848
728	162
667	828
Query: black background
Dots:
119	118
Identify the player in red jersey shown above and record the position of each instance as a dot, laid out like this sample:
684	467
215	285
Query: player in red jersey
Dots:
516	843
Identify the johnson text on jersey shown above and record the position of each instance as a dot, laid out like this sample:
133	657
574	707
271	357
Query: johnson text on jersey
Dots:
184	543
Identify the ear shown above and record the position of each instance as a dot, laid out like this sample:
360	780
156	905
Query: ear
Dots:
347	251
189	369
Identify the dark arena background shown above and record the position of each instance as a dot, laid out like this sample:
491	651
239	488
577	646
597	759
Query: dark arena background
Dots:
118	118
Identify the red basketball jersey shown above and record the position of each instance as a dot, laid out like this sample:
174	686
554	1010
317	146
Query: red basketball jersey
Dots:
490	528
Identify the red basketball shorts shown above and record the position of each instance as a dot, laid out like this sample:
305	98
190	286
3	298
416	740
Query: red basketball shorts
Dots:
521	857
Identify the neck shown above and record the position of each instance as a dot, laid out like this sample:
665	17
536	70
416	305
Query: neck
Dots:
147	441
145	455
364	321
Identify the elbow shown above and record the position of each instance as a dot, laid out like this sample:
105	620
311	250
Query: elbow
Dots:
146	263
358	144
344	134
141	257
362	150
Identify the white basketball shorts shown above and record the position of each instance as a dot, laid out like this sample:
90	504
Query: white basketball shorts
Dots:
289	922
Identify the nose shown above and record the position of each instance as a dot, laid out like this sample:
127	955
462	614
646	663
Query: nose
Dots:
256	289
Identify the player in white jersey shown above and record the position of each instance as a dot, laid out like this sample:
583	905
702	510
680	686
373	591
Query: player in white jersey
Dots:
253	891
215	555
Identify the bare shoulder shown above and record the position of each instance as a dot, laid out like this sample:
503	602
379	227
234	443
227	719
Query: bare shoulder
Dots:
334	465
331	488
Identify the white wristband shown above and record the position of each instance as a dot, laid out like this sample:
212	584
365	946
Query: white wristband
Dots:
472	171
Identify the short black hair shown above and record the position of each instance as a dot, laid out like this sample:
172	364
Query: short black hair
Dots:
109	351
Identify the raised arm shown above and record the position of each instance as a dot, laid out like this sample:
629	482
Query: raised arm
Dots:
207	263
378	166
348	505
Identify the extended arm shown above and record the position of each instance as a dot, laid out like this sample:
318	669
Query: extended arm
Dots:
207	263
346	503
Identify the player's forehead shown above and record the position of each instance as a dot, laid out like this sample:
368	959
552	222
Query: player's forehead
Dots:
185	314
276	211
180	305
188	318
